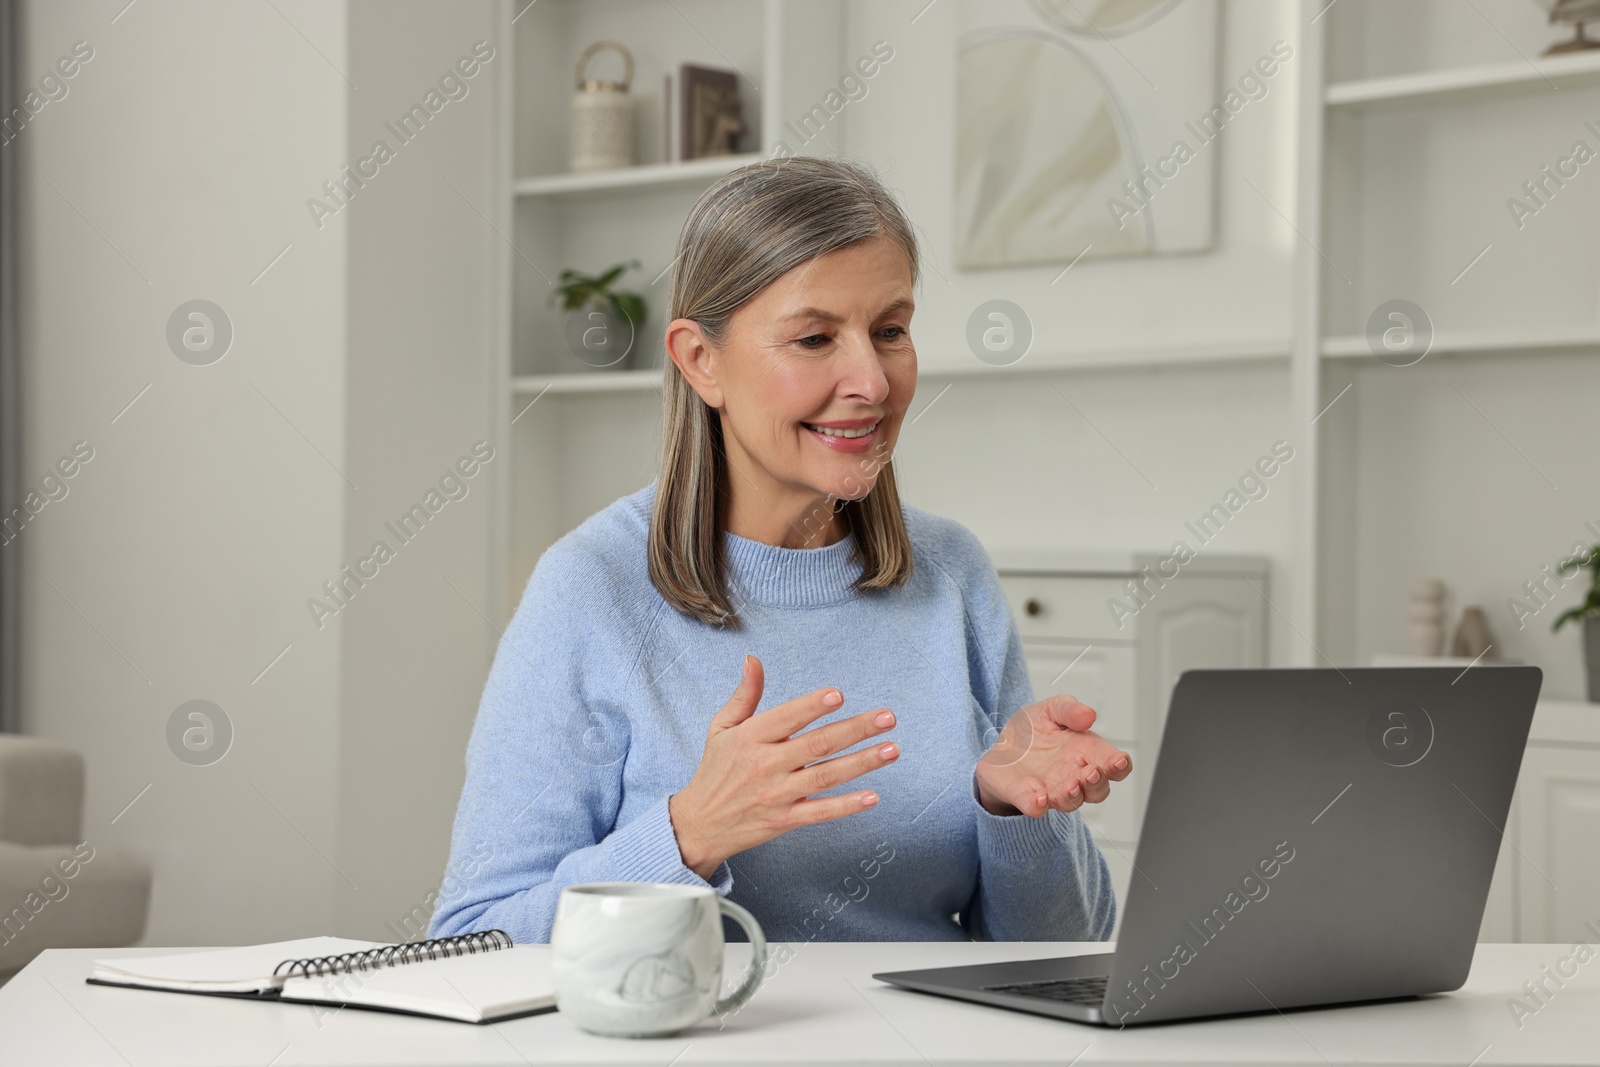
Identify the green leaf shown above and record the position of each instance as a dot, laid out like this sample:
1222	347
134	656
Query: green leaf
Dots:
631	305
605	280
1590	608
578	290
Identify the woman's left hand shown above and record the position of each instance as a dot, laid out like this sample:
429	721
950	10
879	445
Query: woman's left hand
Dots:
1047	757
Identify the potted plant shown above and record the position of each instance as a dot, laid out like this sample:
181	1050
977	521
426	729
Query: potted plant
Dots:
1589	612
602	323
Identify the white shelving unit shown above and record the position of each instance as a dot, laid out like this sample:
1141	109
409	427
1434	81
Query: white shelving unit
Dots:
1404	196
642	176
1483	342
534	385
1467	83
785	52
1397	194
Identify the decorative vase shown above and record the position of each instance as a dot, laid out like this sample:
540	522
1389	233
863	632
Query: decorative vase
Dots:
600	337
1425	617
1574	13
602	116
1473	638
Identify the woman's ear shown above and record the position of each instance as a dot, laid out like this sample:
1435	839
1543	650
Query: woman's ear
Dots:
696	360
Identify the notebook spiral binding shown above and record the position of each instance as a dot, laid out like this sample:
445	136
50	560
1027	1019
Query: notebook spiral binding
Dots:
395	955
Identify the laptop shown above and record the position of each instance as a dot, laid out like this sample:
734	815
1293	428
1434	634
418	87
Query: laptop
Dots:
1311	837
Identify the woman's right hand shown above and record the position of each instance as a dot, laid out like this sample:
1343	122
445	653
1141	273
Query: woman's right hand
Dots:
756	776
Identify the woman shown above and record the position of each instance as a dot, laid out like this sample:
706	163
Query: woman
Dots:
773	548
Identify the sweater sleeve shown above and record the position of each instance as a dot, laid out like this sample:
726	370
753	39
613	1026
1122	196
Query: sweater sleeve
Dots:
543	784
1039	879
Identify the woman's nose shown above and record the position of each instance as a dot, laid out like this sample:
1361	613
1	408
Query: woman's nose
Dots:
863	370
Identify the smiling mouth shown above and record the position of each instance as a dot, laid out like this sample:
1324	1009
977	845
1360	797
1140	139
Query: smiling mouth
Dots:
835	432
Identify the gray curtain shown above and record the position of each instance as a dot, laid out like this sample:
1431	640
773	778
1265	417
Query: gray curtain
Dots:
10	401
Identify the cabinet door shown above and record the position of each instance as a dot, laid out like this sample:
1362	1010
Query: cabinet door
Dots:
1558	827
1100	675
1194	622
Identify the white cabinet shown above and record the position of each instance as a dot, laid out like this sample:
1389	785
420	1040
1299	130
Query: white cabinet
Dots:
1206	622
1214	614
1547	879
1557	828
1116	630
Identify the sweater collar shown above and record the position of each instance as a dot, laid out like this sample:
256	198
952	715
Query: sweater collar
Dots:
760	573
790	577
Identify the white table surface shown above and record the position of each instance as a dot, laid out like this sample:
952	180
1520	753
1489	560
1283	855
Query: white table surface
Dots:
822	1006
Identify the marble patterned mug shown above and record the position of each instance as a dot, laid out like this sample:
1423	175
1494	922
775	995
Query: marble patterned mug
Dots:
644	959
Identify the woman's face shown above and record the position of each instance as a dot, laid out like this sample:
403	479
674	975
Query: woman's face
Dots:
823	352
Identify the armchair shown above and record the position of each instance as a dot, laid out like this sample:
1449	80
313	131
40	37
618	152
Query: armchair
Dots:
58	889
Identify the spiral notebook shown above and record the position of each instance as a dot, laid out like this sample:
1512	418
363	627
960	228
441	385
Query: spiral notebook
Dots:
476	978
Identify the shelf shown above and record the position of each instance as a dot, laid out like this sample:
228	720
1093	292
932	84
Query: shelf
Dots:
1036	363
608	381
640	177
1465	83
1207	353
1474	342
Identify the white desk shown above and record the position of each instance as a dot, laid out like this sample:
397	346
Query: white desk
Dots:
822	1007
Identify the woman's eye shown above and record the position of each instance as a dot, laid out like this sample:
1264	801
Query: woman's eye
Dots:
894	333
819	339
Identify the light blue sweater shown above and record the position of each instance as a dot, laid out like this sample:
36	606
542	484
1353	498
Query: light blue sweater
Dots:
595	712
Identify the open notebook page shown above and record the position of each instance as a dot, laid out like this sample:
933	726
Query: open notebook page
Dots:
477	987
229	970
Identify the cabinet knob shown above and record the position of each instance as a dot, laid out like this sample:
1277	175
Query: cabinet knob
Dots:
1033	607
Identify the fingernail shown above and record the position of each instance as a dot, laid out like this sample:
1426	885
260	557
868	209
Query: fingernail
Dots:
833	698
884	718
889	751
1073	791
1093	776
869	799
1122	763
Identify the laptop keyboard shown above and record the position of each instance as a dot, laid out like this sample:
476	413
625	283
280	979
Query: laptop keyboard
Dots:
1090	990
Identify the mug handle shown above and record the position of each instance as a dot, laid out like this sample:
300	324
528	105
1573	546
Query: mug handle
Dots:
758	957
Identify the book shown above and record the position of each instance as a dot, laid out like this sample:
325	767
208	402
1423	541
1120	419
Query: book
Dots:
475	978
670	152
703	113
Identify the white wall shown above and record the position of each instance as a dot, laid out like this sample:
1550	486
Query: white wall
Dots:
364	365
425	318
178	566
1122	460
